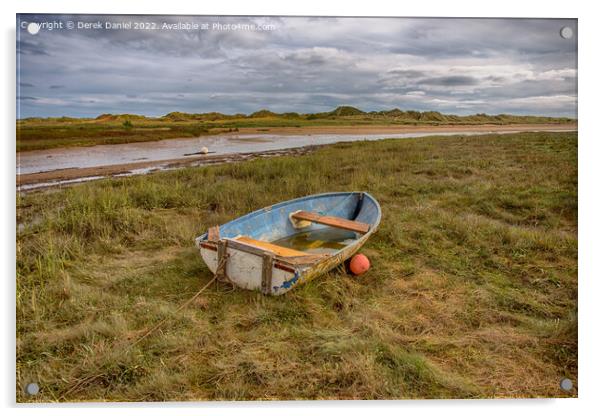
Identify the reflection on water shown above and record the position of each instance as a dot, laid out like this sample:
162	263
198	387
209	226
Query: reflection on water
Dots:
324	241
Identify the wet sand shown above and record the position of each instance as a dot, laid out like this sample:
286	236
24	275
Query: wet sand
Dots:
44	168
51	178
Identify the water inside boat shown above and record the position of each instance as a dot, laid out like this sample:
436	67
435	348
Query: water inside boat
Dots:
323	241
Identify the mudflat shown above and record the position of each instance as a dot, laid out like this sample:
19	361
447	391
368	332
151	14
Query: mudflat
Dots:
121	168
381	129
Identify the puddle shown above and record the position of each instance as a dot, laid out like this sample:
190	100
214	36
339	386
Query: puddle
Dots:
40	185
324	241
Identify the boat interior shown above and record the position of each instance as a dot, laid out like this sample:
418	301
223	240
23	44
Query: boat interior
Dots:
313	226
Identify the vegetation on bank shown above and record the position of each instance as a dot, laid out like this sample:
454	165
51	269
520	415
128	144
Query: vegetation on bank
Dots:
42	133
472	291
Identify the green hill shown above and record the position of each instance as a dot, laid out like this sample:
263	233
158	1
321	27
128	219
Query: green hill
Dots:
263	113
345	111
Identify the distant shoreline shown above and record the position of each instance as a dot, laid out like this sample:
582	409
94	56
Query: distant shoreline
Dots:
73	174
36	133
57	143
389	128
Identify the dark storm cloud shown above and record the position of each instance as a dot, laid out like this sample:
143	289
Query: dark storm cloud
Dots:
304	65
453	80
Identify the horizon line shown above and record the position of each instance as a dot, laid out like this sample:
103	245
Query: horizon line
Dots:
264	109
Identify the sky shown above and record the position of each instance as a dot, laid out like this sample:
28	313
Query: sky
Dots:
153	65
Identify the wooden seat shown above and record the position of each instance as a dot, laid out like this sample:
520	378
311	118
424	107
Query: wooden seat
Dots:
276	249
336	222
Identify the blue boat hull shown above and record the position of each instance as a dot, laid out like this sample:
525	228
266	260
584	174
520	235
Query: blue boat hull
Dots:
245	266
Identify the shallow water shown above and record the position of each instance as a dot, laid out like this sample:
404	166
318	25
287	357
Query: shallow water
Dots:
324	241
117	154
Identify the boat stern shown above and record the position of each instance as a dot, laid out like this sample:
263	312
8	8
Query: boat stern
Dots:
248	267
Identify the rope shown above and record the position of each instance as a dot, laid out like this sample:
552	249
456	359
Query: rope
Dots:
89	378
188	302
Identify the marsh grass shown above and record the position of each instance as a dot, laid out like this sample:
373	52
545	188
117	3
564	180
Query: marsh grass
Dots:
472	291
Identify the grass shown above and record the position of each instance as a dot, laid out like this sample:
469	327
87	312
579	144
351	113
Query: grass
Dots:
46	133
472	292
51	134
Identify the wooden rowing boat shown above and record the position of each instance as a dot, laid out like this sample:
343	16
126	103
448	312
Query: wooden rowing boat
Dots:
281	246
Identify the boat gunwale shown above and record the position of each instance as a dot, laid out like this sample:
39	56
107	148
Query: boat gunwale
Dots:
373	225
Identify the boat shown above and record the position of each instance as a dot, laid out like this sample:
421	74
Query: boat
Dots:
276	248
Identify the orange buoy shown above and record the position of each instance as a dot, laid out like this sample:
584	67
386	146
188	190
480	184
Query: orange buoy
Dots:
359	264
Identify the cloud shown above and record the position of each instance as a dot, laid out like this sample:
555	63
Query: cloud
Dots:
30	48
452	80
318	56
305	65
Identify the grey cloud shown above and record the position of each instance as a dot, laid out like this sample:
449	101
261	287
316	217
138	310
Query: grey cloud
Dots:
495	78
453	80
487	37
305	65
406	73
30	48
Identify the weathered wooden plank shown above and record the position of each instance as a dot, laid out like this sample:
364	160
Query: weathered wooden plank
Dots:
273	248
247	248
213	233
266	273
336	222
209	246
307	259
222	260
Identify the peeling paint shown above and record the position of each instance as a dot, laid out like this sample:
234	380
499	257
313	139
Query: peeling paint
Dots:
287	284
